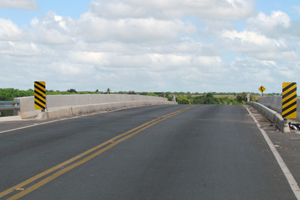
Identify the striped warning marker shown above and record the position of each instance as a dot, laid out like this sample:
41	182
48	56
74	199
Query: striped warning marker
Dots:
289	100
40	95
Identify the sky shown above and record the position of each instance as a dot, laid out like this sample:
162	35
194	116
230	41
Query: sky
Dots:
150	45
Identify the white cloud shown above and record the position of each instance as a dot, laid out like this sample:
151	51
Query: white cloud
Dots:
51	29
278	24
209	9
152	46
34	21
19	4
54	29
146	61
277	18
143	30
259	46
253	73
217	25
18	48
9	30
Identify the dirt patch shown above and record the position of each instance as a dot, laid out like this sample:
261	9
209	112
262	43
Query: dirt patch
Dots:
263	121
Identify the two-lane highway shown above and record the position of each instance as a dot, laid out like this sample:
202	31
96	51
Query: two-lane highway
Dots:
155	152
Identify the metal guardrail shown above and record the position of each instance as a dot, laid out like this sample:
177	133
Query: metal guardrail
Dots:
10	105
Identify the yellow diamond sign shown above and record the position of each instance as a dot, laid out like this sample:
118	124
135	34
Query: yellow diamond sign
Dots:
262	88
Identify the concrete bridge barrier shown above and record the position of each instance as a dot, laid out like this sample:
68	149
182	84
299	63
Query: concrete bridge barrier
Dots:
272	115
275	103
68	105
271	108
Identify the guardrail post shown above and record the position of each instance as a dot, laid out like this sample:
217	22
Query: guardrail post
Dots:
16	107
15	112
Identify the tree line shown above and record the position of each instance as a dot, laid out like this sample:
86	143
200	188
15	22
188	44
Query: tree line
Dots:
209	98
8	94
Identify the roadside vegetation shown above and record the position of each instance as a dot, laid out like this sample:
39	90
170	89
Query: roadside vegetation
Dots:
209	98
230	98
8	94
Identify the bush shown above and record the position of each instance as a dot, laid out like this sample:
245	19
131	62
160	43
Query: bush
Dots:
143	93
198	100
209	95
182	100
170	98
235	102
152	94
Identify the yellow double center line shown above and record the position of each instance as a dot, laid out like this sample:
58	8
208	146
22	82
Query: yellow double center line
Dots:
101	148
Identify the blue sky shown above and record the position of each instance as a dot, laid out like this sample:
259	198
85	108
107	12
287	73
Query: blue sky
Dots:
61	7
286	6
196	46
76	8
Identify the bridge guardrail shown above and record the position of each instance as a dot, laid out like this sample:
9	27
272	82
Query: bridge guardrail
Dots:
10	105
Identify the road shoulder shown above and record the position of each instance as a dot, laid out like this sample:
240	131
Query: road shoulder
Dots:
287	144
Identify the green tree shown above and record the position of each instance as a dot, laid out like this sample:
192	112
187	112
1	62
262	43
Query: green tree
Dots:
72	91
132	92
209	95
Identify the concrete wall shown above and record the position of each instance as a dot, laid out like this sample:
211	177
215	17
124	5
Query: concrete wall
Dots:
27	107
66	105
272	115
275	103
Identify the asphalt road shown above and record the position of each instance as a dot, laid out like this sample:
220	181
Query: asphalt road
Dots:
156	152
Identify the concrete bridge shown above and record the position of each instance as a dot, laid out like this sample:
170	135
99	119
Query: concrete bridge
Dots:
68	105
147	152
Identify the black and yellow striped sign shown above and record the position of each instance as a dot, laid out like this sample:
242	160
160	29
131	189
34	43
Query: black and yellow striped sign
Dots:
40	95
289	100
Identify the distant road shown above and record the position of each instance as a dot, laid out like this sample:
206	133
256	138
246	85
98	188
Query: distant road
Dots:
155	152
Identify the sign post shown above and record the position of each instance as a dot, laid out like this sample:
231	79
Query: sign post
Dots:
262	89
248	97
40	95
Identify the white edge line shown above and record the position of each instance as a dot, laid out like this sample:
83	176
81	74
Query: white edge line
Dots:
293	184
49	122
24	127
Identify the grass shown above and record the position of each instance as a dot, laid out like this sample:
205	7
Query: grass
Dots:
5	113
